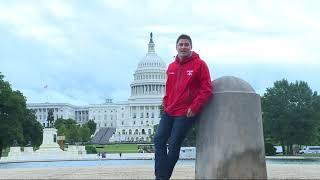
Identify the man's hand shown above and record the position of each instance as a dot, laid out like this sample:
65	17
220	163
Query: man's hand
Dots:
189	113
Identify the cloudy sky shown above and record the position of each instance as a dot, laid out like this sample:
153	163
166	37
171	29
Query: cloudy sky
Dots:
86	51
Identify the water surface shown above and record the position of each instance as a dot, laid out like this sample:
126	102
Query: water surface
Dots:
132	163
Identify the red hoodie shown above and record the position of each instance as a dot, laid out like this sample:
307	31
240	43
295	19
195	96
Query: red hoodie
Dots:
188	85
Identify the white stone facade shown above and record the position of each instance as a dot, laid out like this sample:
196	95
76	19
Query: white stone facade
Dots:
133	119
60	110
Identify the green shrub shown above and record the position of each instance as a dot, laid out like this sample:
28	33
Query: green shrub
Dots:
269	149
91	149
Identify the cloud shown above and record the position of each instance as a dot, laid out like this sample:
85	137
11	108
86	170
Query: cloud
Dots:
60	9
255	50
28	21
88	51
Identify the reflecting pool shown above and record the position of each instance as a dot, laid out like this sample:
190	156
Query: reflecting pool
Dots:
108	162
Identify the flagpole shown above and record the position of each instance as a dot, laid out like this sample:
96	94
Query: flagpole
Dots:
46	92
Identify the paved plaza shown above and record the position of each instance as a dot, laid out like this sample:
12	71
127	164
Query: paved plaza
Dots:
275	171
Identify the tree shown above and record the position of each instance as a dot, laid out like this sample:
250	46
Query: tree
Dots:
68	128
72	131
316	115
73	134
17	123
270	150
301	112
84	133
91	125
68	123
190	139
62	130
32	129
287	114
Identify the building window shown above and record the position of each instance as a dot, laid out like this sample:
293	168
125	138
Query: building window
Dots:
147	115
141	115
130	131
134	122
123	131
143	132
136	131
141	122
152	115
122	123
134	115
149	131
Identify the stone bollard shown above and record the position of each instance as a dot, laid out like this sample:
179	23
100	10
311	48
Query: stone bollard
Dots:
230	140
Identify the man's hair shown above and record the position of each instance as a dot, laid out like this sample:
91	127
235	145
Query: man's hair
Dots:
184	36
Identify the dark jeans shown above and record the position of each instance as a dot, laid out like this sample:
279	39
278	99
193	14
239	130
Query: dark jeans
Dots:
173	130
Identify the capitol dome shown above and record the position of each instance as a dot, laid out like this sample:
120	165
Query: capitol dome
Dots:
150	76
151	59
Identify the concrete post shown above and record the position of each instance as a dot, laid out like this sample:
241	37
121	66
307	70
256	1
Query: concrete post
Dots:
230	140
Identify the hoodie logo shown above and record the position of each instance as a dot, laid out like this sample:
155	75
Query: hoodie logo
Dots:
171	73
189	72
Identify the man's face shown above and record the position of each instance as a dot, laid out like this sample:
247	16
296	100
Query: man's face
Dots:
184	48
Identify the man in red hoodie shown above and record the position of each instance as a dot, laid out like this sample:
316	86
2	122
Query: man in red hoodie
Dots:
188	88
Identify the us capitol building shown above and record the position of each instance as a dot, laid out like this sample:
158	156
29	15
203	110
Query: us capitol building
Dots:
132	120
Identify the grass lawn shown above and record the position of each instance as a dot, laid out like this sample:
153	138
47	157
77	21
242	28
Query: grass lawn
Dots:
117	148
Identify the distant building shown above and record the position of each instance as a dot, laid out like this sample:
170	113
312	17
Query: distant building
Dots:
133	119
